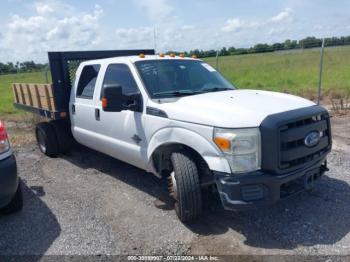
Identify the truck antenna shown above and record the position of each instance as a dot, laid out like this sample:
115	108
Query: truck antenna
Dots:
155	38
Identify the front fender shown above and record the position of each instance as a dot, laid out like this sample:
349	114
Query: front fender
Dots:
213	157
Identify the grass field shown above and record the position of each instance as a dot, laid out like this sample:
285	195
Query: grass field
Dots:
288	71
294	71
6	96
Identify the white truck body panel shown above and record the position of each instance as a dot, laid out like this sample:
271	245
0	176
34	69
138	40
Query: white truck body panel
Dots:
232	109
161	131
190	121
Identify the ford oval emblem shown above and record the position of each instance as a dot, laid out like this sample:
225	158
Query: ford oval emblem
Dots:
312	138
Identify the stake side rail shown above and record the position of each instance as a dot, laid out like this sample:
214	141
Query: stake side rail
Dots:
36	98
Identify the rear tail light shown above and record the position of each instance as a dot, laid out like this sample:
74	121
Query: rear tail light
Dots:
4	143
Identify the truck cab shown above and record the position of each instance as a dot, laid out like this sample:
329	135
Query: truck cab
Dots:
181	120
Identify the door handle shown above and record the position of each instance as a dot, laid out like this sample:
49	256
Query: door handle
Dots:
97	114
73	109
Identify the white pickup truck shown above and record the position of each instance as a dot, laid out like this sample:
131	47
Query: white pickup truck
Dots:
181	119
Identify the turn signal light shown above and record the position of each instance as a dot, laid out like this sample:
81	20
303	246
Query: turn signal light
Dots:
223	143
161	55
142	55
104	102
172	55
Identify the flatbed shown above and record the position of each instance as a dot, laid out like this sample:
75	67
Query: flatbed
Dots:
51	100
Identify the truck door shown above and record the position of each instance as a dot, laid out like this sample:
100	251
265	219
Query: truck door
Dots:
82	106
121	134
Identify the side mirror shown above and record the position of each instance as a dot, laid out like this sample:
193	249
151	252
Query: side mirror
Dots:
112	99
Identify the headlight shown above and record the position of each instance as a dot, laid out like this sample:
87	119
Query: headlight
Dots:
4	143
241	147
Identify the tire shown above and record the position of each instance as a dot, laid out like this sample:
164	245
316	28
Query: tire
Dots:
185	187
62	132
47	140
16	203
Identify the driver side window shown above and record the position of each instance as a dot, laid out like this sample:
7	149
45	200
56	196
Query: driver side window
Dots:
121	74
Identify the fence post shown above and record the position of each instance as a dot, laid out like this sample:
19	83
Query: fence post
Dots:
320	75
217	59
46	72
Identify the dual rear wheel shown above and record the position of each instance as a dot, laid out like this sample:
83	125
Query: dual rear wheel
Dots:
53	137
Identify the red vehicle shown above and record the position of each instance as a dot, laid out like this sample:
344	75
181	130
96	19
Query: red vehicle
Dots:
10	189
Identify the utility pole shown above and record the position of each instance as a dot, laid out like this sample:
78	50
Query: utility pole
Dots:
320	75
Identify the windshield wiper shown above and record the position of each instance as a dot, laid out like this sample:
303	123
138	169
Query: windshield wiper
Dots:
177	93
185	92
216	89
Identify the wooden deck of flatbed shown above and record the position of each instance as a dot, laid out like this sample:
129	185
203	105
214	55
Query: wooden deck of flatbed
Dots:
36	98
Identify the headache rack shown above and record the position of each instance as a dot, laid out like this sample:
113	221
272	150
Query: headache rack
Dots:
51	100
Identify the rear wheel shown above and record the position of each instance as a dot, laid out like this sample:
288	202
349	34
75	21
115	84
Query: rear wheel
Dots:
184	187
47	140
62	132
16	203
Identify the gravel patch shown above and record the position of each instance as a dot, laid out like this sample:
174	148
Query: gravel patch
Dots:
88	203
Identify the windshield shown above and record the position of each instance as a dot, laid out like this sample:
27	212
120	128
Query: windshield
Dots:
169	78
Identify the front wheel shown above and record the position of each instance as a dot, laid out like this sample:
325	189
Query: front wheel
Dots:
184	187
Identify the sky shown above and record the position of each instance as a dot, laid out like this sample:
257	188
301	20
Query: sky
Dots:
28	29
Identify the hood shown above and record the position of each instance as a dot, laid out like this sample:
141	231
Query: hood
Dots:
231	109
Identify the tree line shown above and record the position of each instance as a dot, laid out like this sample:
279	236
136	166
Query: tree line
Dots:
308	42
23	67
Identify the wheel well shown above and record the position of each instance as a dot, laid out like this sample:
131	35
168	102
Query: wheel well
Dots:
162	163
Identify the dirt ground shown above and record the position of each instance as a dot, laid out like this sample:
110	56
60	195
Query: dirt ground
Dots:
88	203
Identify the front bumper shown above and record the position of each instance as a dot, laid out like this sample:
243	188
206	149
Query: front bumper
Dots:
258	189
8	180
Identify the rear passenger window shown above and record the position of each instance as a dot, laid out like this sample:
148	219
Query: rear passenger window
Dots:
87	81
120	74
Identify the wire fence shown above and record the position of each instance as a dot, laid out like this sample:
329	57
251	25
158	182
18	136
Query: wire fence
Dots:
323	77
